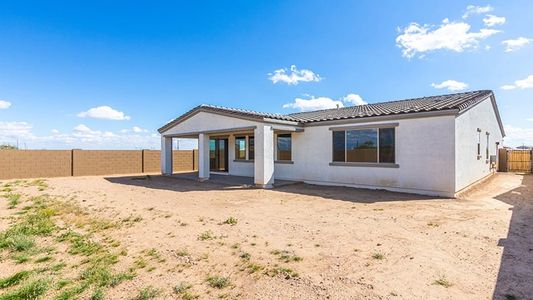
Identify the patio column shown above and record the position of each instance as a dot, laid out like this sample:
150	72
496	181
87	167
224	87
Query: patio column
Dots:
264	156
166	155
203	156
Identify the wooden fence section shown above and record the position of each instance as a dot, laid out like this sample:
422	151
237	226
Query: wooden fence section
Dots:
515	160
62	163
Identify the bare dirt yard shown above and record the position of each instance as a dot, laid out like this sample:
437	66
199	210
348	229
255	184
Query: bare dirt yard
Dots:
138	237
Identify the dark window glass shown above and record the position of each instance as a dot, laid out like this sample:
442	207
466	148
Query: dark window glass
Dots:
487	149
386	145
284	147
361	145
338	146
251	148
240	148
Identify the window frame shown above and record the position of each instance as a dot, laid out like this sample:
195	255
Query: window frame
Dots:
487	148
247	151
376	127
237	149
284	135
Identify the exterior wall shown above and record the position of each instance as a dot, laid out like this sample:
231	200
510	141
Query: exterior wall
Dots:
204	121
469	168
238	168
425	152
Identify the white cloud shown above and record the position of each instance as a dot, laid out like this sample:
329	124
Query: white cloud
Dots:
354	99
515	44
81	136
526	83
492	20
314	104
477	10
4	104
104	112
293	76
415	38
451	85
518	136
508	87
318	103
135	129
10	131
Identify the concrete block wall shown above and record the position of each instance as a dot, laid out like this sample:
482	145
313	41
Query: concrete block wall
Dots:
62	163
105	162
184	160
34	163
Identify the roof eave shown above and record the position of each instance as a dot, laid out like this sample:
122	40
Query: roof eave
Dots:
201	108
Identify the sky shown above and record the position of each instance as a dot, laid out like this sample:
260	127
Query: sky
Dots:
108	74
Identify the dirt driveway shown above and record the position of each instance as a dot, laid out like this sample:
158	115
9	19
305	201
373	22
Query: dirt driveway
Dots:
171	238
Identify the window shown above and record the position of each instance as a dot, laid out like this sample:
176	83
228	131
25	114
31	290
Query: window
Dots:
386	145
487	149
284	147
244	144
362	145
240	147
339	144
372	145
251	149
478	143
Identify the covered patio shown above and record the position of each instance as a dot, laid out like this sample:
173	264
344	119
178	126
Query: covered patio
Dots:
218	143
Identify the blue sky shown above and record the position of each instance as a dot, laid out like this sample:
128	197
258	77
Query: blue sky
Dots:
108	74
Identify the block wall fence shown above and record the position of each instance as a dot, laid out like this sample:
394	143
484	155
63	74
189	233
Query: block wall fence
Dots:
63	163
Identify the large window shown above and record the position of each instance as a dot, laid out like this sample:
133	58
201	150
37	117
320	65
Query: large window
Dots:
284	146
240	147
244	145
361	145
372	145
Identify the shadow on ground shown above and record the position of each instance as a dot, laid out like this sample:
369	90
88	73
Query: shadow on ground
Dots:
515	276
188	182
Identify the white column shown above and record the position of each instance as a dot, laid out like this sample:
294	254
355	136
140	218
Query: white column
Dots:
166	155
264	156
203	156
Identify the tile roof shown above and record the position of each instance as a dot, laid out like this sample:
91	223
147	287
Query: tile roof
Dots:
458	101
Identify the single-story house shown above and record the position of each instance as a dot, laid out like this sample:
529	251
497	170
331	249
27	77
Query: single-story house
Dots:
435	145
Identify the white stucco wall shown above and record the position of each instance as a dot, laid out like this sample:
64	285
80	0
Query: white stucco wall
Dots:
424	151
429	152
469	168
238	168
204	121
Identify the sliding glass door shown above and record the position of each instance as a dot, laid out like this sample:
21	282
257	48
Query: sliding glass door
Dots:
218	154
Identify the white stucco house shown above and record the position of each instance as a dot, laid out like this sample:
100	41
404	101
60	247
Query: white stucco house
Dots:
435	145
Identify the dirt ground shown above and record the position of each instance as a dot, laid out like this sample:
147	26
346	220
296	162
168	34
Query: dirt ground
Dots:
298	241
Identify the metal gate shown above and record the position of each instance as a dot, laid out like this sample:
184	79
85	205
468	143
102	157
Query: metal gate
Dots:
515	160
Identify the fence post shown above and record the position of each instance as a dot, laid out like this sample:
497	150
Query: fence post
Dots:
142	161
71	162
